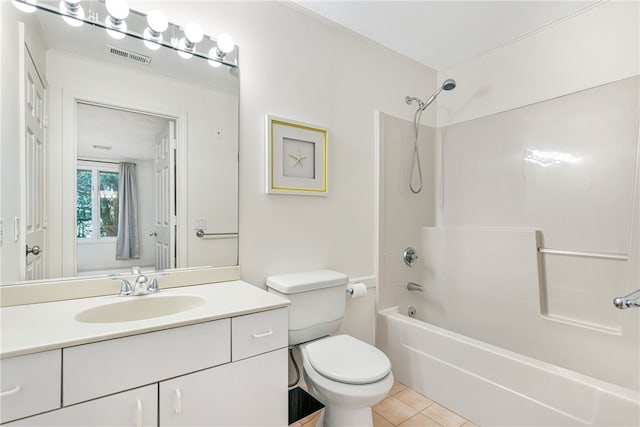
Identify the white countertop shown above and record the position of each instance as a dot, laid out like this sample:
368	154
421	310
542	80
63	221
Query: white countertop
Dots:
33	328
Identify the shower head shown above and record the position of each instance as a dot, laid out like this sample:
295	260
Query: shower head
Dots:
448	84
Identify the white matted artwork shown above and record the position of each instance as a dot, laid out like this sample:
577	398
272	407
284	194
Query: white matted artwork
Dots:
296	157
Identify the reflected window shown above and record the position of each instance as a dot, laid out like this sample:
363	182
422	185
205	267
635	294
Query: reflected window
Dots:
96	201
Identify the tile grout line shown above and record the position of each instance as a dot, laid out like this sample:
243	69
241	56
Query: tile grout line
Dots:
401	388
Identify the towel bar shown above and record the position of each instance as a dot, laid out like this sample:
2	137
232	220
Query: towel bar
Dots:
201	234
623	257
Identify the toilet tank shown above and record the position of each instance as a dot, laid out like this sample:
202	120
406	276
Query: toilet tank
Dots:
317	302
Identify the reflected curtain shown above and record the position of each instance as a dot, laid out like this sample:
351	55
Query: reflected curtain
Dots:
128	240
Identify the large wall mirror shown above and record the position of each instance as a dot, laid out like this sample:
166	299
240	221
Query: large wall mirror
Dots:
115	152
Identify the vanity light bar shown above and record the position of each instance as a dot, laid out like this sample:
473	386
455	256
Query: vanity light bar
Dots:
148	29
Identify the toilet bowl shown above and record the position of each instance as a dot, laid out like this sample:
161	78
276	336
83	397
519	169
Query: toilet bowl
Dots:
348	376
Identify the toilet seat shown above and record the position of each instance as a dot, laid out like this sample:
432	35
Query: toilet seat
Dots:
346	359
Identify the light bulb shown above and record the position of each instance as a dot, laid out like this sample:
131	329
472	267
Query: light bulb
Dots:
157	24
115	28
118	9
151	41
182	47
157	21
27	6
213	53
72	12
193	32
225	43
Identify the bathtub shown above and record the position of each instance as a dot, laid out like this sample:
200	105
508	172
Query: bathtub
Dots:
492	386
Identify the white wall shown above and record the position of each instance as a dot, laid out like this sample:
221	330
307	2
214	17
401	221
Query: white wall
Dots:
298	66
597	46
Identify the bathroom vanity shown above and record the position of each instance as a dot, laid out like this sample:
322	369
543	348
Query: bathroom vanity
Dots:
210	354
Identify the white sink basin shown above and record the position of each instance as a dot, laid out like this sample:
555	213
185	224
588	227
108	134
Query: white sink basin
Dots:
139	308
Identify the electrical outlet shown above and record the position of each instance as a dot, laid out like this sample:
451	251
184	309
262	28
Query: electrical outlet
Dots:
200	223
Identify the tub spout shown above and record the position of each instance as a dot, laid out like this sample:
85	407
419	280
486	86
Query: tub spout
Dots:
415	287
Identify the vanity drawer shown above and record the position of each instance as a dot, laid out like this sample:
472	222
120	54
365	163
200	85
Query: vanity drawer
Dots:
106	367
259	333
30	384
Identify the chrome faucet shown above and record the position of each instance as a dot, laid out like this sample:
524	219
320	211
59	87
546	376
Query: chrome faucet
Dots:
142	285
631	300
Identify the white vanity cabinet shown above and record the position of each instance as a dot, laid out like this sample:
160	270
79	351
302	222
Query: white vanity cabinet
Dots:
138	407
247	392
224	372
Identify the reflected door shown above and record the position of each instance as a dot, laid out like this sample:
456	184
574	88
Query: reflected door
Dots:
34	189
165	219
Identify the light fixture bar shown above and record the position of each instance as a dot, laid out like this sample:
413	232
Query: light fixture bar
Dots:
96	15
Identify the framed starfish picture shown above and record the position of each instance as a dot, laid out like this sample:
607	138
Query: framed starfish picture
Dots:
296	157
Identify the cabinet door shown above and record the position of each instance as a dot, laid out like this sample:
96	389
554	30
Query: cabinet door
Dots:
136	408
29	384
251	392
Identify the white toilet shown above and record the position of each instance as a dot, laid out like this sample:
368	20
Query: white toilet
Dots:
347	375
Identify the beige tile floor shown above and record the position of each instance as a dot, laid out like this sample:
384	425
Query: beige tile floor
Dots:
404	407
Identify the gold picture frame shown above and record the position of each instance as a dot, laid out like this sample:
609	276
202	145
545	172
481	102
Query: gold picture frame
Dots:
296	157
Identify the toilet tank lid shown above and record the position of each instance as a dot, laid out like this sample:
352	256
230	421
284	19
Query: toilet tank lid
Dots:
292	283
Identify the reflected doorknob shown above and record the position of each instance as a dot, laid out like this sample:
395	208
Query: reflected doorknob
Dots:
153	234
34	250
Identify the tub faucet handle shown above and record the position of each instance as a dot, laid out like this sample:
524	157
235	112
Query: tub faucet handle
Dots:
409	256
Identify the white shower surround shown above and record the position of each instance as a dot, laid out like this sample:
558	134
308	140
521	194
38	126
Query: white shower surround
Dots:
474	330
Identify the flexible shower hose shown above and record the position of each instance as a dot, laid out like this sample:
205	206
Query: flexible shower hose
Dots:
415	160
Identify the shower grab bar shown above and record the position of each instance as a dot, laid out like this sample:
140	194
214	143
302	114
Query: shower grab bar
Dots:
605	255
627	301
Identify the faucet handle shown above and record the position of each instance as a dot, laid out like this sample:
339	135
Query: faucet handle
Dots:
153	284
126	288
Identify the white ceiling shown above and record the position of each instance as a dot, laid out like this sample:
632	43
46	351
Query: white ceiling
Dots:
130	135
441	34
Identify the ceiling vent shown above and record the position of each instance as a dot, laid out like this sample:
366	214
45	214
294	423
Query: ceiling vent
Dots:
131	56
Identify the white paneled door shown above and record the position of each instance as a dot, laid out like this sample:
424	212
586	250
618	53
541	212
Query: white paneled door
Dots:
34	190
165	217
